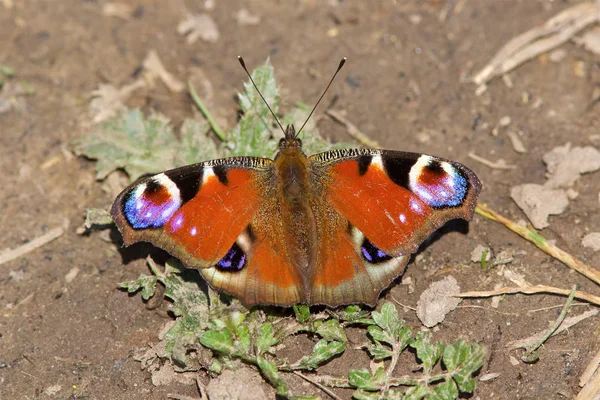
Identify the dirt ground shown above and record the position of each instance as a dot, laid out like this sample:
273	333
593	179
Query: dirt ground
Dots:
404	85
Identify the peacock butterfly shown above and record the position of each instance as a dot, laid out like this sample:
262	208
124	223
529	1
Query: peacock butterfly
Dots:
333	228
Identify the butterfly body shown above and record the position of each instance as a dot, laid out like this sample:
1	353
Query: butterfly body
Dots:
333	228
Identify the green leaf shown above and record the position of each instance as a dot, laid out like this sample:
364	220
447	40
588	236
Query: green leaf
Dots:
362	379
429	353
393	328
323	351
266	338
219	340
302	313
251	136
462	360
364	395
446	390
195	145
137	144
244	338
379	352
145	283
331	330
355	315
7	71
270	372
189	301
379	335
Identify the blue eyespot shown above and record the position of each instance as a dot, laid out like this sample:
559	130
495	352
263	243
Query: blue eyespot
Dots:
373	254
234	260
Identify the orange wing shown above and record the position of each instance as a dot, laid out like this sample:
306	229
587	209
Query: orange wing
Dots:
215	216
382	205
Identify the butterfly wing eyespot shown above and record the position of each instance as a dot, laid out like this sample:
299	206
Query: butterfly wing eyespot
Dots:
397	199
220	217
194	212
387	203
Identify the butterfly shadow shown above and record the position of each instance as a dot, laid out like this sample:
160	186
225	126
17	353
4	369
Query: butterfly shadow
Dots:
144	250
454	225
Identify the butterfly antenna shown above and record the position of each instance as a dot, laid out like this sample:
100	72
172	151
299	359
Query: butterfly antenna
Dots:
342	62
243	64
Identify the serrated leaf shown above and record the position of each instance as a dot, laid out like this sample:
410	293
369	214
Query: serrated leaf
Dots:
194	144
380	335
446	390
323	351
270	372
462	360
189	301
418	392
331	330
379	352
388	320
145	283
472	363
138	145
266	338
244	338
219	340
251	136
250	100
429	353
362	379
364	395
356	315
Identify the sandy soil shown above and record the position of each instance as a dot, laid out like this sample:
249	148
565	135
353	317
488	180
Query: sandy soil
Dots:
403	85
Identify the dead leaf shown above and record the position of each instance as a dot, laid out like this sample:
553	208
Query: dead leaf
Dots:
155	67
437	301
516	142
244	17
540	39
566	324
52	390
592	240
538	202
167	375
199	26
477	253
516	278
71	275
566	164
119	10
11	97
590	40
108	100
236	385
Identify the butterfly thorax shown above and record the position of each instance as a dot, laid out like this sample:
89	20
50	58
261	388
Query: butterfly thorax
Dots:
294	197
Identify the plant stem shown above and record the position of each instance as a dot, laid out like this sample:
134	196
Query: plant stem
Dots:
213	124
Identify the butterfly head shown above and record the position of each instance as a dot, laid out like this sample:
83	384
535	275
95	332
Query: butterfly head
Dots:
290	140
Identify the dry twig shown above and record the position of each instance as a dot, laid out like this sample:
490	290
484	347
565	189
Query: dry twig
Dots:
9	255
542	243
532	290
556	31
353	130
